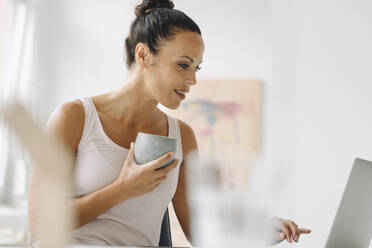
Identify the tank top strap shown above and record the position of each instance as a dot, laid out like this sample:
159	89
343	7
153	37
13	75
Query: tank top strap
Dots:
89	120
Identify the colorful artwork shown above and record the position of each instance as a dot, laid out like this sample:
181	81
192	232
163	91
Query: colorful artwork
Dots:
225	116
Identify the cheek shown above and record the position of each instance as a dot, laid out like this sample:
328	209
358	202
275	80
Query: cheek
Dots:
170	72
170	77
165	78
161	84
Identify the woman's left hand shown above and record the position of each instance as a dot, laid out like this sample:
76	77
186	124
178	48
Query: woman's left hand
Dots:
287	229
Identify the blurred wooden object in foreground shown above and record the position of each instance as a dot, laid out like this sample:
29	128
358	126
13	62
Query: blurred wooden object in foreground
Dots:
52	164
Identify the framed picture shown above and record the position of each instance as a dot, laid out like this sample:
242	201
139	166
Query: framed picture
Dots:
225	116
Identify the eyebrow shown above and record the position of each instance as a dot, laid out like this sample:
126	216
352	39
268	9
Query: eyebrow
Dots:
192	61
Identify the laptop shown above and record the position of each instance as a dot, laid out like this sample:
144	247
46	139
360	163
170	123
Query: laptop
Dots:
352	226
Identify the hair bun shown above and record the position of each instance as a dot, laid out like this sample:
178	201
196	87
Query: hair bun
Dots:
148	5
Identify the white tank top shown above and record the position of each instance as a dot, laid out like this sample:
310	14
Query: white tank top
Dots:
134	222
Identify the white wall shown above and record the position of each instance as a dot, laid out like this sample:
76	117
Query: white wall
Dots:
279	119
333	104
237	37
80	47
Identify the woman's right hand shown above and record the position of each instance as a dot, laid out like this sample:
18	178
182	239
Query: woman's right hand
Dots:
136	180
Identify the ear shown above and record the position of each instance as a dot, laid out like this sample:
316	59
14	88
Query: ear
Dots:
142	54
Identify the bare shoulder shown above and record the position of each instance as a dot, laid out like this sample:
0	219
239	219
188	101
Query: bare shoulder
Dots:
71	113
187	136
67	123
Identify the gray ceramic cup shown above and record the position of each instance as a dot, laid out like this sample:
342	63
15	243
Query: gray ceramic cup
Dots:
148	147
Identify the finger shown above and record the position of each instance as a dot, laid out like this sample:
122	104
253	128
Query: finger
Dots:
287	232
304	230
158	162
160	179
130	155
294	230
168	168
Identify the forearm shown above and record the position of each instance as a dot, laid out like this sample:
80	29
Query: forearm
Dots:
94	204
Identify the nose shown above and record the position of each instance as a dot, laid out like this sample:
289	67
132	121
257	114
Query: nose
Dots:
192	79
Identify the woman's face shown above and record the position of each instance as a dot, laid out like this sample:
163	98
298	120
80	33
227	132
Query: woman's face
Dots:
173	70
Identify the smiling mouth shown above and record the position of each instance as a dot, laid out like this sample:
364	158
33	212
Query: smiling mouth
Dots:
181	94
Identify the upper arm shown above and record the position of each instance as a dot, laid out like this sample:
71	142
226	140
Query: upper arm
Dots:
190	152
189	143
66	124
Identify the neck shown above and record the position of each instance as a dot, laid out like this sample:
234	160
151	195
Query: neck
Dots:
132	104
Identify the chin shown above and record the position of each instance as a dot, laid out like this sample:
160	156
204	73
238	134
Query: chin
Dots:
172	106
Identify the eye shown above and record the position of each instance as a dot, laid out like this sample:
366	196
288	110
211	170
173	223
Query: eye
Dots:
198	68
183	66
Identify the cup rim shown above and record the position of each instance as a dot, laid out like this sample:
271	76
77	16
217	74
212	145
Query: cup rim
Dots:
156	135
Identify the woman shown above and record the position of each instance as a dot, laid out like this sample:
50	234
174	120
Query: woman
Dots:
117	201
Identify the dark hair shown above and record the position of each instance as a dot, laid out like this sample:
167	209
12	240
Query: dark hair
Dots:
156	20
